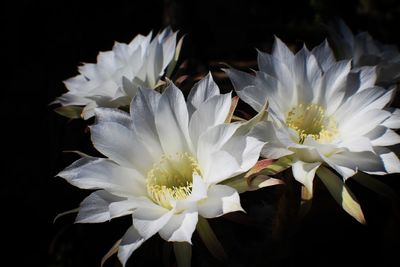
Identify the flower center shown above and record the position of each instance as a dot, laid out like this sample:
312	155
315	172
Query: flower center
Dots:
171	178
311	120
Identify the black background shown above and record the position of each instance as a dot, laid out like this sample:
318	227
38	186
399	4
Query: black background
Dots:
44	42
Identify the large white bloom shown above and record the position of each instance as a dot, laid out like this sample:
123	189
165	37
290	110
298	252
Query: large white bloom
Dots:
117	75
363	50
321	113
164	162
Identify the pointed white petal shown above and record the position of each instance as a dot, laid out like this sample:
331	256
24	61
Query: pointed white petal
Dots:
201	91
209	113
142	110
324	55
172	121
130	242
96	173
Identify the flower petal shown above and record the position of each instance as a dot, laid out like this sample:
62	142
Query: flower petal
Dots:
113	115
172	121
95	173
130	242
95	207
304	173
121	145
382	136
208	114
180	227
221	199
148	220
201	91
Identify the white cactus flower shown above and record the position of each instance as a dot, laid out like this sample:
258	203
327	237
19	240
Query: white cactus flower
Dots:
363	50
164	163
114	80
321	113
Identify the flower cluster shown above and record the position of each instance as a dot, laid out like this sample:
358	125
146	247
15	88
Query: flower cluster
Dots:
171	163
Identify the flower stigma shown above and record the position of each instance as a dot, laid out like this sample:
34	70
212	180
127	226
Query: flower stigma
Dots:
311	120
172	178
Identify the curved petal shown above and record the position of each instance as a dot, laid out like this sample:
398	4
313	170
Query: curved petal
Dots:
304	173
208	114
95	207
390	160
130	242
121	145
221	199
201	91
142	110
113	115
172	121
96	173
348	163
148	220
180	227
382	136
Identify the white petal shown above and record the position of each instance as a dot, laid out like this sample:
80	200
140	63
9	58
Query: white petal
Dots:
221	199
382	136
148	220
113	115
222	166
209	113
393	121
274	148
96	173
199	189
368	77
369	99
282	52
347	163
304	173
95	207
121	145
180	227
390	160
246	150
142	110
213	139
324	55
124	207
363	123
244	85
357	144
201	91
130	242
172	121
334	83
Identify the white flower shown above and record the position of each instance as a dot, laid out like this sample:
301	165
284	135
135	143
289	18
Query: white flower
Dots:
114	80
164	162
320	113
365	51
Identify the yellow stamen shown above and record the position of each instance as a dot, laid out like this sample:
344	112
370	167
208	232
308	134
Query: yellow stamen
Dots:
171	178
311	120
